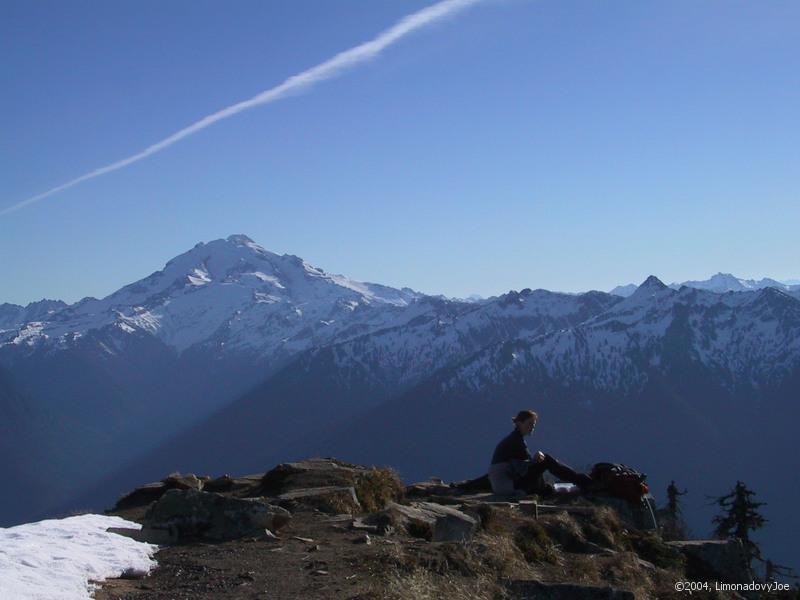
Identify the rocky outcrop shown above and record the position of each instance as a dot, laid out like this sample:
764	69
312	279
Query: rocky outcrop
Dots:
638	516
151	492
329	499
430	521
333	521
191	514
539	590
722	560
373	487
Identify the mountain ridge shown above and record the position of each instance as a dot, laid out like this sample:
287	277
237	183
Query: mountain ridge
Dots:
230	357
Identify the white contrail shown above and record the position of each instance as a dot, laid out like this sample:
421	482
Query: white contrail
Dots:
329	68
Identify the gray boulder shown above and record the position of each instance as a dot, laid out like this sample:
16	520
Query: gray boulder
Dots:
192	514
530	589
331	499
150	492
636	516
374	487
434	522
141	496
724	560
189	481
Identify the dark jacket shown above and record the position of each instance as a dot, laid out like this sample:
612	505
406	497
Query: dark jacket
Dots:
511	447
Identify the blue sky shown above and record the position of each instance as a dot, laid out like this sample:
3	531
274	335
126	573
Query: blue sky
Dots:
567	145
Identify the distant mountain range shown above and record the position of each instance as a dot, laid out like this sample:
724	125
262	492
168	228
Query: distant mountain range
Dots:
721	283
232	357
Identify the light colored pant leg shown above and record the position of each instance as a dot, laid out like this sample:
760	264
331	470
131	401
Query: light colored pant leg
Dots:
501	476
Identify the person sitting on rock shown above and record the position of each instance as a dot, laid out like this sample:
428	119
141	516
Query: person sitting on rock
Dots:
513	468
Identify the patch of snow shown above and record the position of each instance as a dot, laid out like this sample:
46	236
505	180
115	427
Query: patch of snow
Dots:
125	327
265	298
56	559
199	277
268	279
30	333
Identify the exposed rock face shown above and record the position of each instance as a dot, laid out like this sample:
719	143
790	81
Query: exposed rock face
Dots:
721	559
638	516
142	495
538	590
224	483
373	487
440	542
150	492
189	481
431	521
329	499
192	514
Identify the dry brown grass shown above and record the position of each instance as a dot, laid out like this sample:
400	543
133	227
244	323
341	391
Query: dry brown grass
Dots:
502	556
424	585
377	487
651	547
604	527
564	532
445	570
535	543
512	545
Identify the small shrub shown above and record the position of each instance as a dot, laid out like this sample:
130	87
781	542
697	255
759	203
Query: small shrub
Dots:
423	585
488	518
377	487
652	548
535	544
563	530
604	527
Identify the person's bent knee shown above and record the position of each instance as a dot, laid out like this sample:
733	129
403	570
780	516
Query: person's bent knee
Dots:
500	479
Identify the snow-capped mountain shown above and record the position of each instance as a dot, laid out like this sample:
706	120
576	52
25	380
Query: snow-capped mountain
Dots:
719	283
229	296
624	290
725	282
683	384
748	339
235	357
14	315
328	386
112	378
407	353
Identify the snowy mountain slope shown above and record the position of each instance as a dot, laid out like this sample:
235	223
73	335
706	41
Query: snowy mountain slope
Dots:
232	357
13	315
409	353
748	339
329	386
725	282
231	296
719	283
687	385
117	376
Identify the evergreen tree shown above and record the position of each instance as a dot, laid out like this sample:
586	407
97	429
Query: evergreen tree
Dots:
672	499
773	571
673	527
739	517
